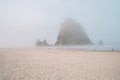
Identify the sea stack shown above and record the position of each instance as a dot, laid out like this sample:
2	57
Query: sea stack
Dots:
72	33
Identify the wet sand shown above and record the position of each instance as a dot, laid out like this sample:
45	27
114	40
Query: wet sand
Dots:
44	64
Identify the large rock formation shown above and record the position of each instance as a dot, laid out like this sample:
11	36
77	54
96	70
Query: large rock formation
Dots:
71	33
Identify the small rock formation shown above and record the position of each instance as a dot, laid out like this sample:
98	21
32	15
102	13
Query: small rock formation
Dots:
71	33
41	43
100	42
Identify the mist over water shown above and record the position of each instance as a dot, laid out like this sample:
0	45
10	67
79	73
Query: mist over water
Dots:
23	22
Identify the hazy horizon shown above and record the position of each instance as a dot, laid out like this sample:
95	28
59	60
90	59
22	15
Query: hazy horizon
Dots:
22	22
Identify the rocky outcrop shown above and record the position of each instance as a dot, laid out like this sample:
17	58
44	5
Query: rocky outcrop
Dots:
71	33
41	43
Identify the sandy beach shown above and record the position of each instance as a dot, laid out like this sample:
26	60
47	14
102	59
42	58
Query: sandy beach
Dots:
48	64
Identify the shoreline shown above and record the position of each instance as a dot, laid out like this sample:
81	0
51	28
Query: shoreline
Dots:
66	49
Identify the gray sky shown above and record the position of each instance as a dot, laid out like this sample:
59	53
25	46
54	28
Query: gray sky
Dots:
22	22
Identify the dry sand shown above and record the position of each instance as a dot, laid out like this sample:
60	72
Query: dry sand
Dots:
38	64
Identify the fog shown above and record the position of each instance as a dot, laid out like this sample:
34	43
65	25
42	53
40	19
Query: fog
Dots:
22	22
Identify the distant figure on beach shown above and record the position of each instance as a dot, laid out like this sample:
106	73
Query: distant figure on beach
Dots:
112	50
100	42
93	49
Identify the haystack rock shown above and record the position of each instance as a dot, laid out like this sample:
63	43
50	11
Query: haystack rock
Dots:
71	33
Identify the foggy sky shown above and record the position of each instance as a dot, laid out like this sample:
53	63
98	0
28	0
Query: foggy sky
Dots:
22	22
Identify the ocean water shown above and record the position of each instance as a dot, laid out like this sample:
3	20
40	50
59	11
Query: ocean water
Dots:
82	47
90	47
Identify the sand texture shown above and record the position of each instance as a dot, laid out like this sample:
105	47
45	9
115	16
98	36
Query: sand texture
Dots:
43	64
